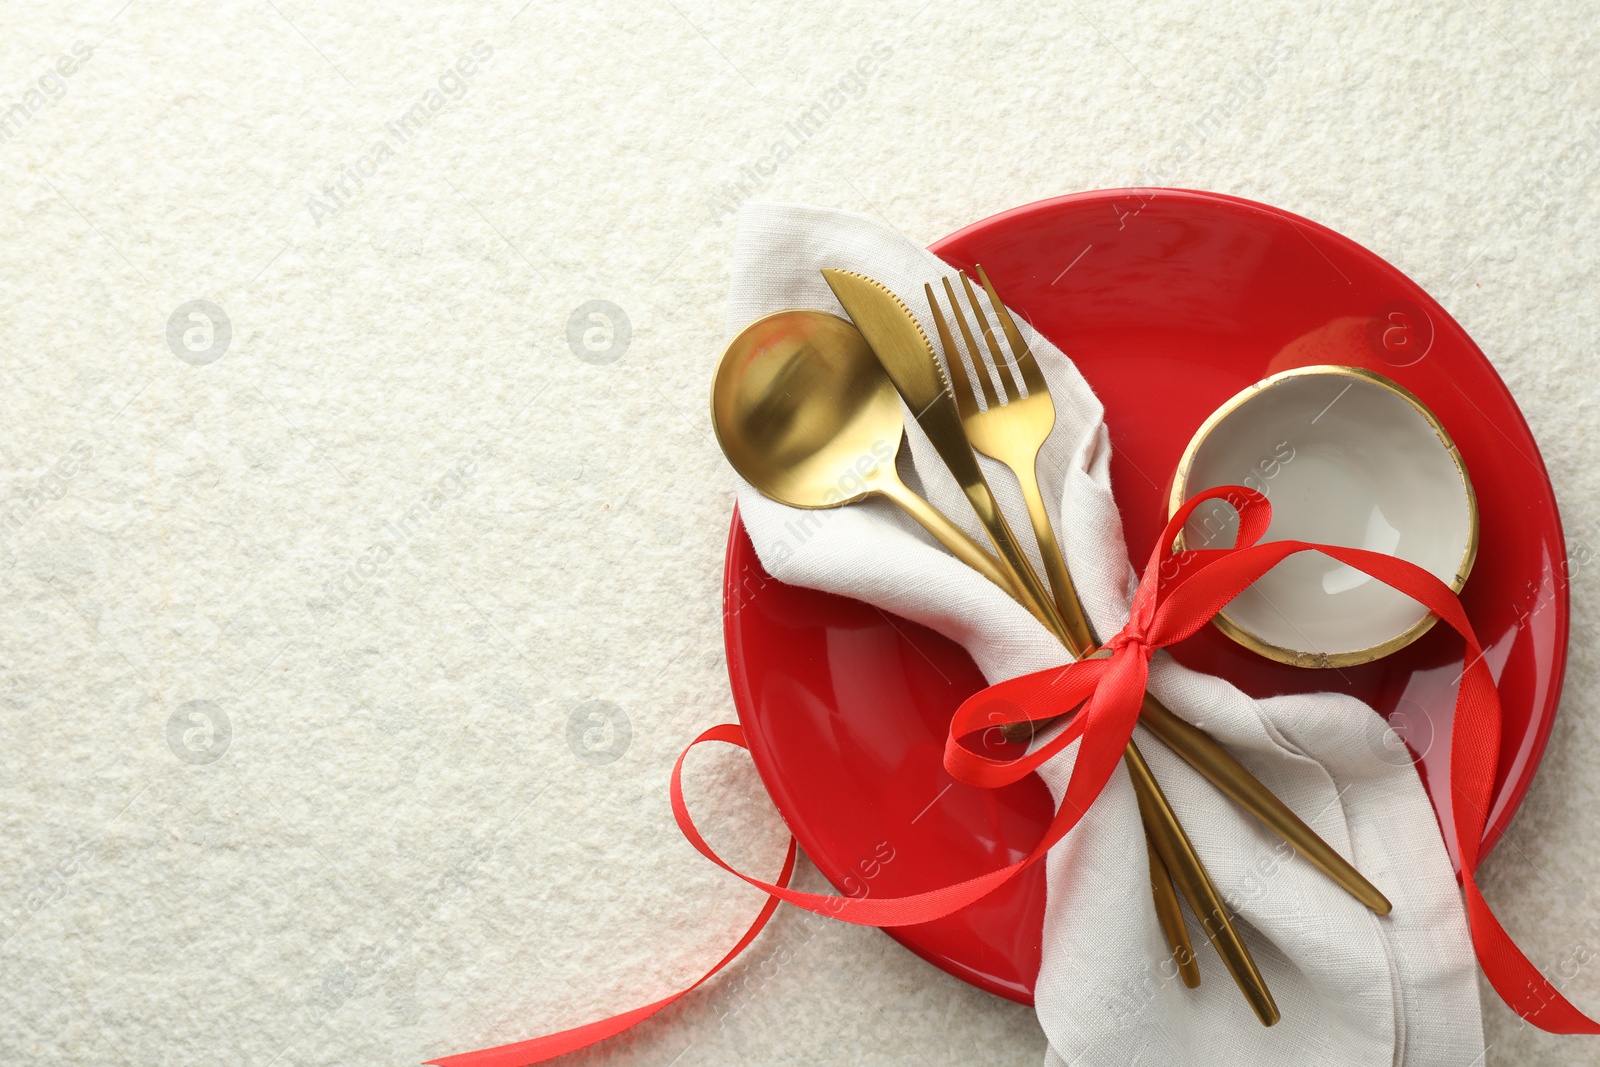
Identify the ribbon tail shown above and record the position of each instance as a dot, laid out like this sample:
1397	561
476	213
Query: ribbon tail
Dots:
542	1049
1504	964
550	1046
1475	743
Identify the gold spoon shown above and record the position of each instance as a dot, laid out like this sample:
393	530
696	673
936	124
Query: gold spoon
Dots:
805	414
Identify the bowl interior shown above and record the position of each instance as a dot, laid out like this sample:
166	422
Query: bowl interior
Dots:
1346	458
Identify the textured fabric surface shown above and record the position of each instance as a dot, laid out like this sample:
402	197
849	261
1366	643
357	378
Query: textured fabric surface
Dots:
407	841
1353	989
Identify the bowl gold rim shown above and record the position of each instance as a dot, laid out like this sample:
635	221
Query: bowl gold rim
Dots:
1352	657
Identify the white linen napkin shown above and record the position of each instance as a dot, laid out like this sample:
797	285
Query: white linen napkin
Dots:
1354	989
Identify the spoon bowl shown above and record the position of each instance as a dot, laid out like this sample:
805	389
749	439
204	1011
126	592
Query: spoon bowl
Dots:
805	413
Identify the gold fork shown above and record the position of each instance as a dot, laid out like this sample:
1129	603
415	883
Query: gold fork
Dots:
1172	855
1011	428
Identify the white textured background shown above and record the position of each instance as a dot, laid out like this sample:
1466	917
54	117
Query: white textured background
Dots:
401	846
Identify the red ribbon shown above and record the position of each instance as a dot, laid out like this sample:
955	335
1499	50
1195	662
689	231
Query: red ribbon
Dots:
1179	593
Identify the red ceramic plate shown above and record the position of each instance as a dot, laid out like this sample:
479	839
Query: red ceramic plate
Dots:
1170	302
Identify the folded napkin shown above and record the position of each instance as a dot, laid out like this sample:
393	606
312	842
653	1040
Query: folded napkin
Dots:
1354	989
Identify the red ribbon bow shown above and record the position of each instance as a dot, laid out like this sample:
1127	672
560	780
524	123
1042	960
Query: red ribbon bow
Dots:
1178	593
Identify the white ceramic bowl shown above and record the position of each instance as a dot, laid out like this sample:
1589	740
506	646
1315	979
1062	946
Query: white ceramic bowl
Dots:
1348	458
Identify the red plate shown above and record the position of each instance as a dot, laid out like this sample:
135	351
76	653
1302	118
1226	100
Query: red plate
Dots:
1170	302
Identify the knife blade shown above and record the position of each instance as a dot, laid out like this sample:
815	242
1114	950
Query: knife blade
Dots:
908	358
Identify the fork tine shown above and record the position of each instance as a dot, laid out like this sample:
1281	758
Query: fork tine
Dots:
966	403
990	400
1032	376
1003	369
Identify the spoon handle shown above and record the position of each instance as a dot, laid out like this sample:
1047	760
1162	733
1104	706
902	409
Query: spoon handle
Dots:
947	533
1218	766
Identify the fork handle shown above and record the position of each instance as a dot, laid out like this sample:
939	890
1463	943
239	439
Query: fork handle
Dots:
1024	579
1081	638
1068	606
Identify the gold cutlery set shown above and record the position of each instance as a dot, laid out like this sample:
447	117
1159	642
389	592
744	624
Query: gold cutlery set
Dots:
800	397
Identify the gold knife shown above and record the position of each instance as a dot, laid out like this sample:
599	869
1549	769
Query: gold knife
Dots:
941	422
